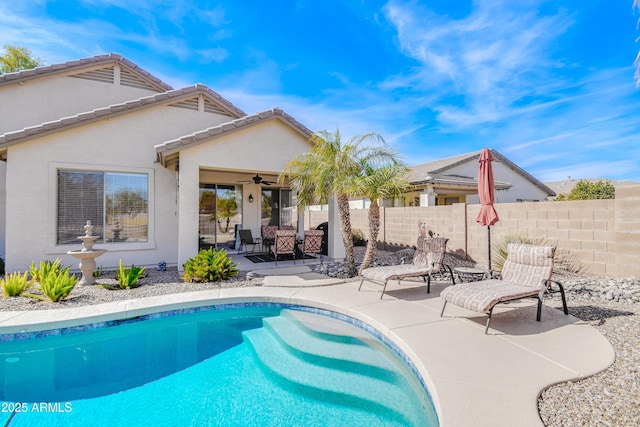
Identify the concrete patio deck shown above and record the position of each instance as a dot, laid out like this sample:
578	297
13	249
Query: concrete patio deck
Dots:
474	379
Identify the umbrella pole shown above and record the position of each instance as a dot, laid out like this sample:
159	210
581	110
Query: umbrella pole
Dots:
489	246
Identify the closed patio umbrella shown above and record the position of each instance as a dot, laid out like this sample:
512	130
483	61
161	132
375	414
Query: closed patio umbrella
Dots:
488	215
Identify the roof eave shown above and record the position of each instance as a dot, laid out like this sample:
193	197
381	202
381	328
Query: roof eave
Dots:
47	70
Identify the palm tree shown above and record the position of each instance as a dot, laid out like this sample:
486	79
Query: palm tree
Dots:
380	183
331	168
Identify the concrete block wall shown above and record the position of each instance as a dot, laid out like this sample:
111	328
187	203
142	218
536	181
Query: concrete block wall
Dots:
627	232
603	234
314	218
583	227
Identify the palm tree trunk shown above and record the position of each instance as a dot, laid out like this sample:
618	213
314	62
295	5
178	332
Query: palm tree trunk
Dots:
374	228
347	235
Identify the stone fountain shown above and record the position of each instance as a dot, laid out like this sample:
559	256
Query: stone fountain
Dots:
87	255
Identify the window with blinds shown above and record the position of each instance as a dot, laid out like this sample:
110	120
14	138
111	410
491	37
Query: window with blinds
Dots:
117	204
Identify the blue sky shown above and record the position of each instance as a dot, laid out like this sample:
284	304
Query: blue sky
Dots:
549	84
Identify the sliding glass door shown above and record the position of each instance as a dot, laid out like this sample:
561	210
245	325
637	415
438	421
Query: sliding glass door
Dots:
220	214
278	207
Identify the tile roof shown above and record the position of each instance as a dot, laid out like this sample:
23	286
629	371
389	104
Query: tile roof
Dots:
18	136
78	64
173	146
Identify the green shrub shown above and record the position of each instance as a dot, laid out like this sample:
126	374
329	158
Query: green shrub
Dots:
128	277
38	274
587	190
57	284
209	265
15	284
563	260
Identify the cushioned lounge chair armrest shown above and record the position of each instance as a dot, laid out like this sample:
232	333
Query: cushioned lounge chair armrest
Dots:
445	267
551	281
546	287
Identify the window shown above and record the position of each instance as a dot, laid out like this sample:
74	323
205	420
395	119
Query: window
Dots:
117	204
278	207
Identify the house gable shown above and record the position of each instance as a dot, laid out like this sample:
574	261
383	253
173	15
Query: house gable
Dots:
198	98
97	68
169	151
43	94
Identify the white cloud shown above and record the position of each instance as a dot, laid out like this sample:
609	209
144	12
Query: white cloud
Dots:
492	57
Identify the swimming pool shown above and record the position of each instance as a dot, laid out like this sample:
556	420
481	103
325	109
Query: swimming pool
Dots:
240	364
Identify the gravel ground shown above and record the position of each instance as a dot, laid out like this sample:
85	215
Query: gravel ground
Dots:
610	398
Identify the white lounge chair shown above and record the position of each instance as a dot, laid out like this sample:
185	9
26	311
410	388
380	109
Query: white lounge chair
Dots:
427	260
526	273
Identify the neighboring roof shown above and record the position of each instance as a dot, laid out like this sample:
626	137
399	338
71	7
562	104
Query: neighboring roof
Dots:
175	97
83	63
174	146
436	172
567	185
459	181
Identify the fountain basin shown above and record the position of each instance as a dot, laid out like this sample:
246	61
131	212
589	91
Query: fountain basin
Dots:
87	264
82	254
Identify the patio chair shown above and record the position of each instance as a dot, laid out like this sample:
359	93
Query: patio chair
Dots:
312	243
526	273
268	233
427	260
285	244
246	238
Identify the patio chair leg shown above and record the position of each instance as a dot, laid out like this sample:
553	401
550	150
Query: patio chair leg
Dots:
564	299
539	315
443	306
383	289
486	328
361	282
428	280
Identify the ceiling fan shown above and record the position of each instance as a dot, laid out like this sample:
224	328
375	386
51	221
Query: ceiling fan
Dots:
258	180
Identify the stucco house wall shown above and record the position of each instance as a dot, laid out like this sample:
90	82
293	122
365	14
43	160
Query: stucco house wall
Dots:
177	138
35	101
266	146
32	189
119	144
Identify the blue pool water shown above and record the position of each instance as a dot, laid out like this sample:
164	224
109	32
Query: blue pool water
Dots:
249	365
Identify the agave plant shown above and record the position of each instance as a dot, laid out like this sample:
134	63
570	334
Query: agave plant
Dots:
57	284
38	274
128	277
15	284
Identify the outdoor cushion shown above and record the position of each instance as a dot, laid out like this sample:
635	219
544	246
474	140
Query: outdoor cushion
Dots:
482	296
427	259
526	273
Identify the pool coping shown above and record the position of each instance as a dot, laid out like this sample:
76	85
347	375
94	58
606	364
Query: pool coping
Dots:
473	378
